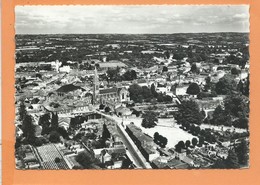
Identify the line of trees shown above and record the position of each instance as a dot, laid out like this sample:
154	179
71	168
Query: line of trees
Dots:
203	134
185	145
160	140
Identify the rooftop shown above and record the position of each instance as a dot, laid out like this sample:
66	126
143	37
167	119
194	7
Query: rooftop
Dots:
105	91
68	88
112	64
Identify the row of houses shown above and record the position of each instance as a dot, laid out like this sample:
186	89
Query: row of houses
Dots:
143	142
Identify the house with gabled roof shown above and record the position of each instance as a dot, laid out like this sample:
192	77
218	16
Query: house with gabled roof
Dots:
64	122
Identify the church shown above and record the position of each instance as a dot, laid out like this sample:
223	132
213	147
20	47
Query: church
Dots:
110	97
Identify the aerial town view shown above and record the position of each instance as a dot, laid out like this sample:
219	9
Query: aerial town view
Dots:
142	95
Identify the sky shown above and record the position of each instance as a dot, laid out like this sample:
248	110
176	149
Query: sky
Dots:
149	19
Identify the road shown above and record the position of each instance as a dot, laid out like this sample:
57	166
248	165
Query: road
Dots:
135	154
137	160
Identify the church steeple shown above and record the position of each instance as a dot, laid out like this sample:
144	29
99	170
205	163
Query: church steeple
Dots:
96	87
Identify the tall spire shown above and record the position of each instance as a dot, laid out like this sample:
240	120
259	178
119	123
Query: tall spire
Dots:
96	86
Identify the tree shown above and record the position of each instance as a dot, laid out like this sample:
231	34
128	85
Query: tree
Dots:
193	89
146	92
232	160
28	129
22	111
235	71
219	164
153	91
113	74
155	137
44	121
201	140
105	133
194	68
107	109
209	137
133	74
236	106
246	87
130	75
194	141
149	119
167	54
165	69
163	141
203	113
242	152
226	85
54	121
136	92
18	143
192	129
126	163
57	160
187	143
160	140
38	75
179	146
137	113
35	101
218	112
63	132
196	130
241	122
216	61
101	106
54	137
160	97
77	121
97	66
220	117
85	159
207	86
240	86
38	142
167	98
189	113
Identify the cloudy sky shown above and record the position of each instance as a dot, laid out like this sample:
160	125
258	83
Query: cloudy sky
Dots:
130	19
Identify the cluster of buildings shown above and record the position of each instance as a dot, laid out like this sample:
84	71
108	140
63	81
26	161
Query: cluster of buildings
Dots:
69	90
169	158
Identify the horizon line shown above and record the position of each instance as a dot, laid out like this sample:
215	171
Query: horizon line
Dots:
129	33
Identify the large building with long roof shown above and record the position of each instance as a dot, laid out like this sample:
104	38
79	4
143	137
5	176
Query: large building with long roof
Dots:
109	96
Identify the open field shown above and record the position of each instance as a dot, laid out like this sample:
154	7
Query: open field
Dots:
165	127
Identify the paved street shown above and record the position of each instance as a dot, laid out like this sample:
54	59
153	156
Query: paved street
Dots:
137	160
136	156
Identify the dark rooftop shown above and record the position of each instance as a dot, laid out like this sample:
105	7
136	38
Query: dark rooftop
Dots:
68	88
111	90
